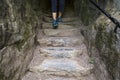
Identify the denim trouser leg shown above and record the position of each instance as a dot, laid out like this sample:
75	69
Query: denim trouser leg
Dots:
54	5
61	5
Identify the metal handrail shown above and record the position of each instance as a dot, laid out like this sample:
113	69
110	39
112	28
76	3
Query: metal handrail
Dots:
115	21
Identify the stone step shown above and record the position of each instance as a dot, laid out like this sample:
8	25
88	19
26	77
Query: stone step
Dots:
61	78
35	76
63	52
89	77
61	32
68	19
60	41
73	23
62	67
60	26
32	76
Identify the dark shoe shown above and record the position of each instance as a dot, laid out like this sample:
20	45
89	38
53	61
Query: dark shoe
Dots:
59	20
55	24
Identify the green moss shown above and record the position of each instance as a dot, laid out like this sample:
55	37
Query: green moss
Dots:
101	36
26	25
26	33
105	42
85	15
19	44
92	60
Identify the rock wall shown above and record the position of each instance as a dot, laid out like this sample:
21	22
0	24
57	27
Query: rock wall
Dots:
17	32
117	3
18	21
103	43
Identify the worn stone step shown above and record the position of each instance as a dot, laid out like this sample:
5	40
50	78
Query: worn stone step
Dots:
68	19
72	23
62	67
61	78
60	41
89	77
32	76
62	52
61	32
35	76
60	26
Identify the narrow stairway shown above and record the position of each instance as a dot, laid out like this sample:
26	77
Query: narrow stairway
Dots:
61	53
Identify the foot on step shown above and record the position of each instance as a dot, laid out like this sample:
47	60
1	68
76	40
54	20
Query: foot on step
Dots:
55	24
59	20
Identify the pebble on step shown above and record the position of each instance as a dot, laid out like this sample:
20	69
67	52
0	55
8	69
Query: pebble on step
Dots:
61	67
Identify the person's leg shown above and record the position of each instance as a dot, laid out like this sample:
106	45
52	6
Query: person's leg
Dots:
61	7
54	9
54	13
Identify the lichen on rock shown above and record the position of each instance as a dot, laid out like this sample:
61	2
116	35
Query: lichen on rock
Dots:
17	33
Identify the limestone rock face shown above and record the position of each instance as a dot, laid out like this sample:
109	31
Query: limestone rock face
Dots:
117	2
17	24
104	44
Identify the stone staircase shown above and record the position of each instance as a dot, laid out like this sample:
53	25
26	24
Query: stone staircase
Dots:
61	54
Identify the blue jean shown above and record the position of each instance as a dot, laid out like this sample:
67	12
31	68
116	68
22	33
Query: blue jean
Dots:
60	3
